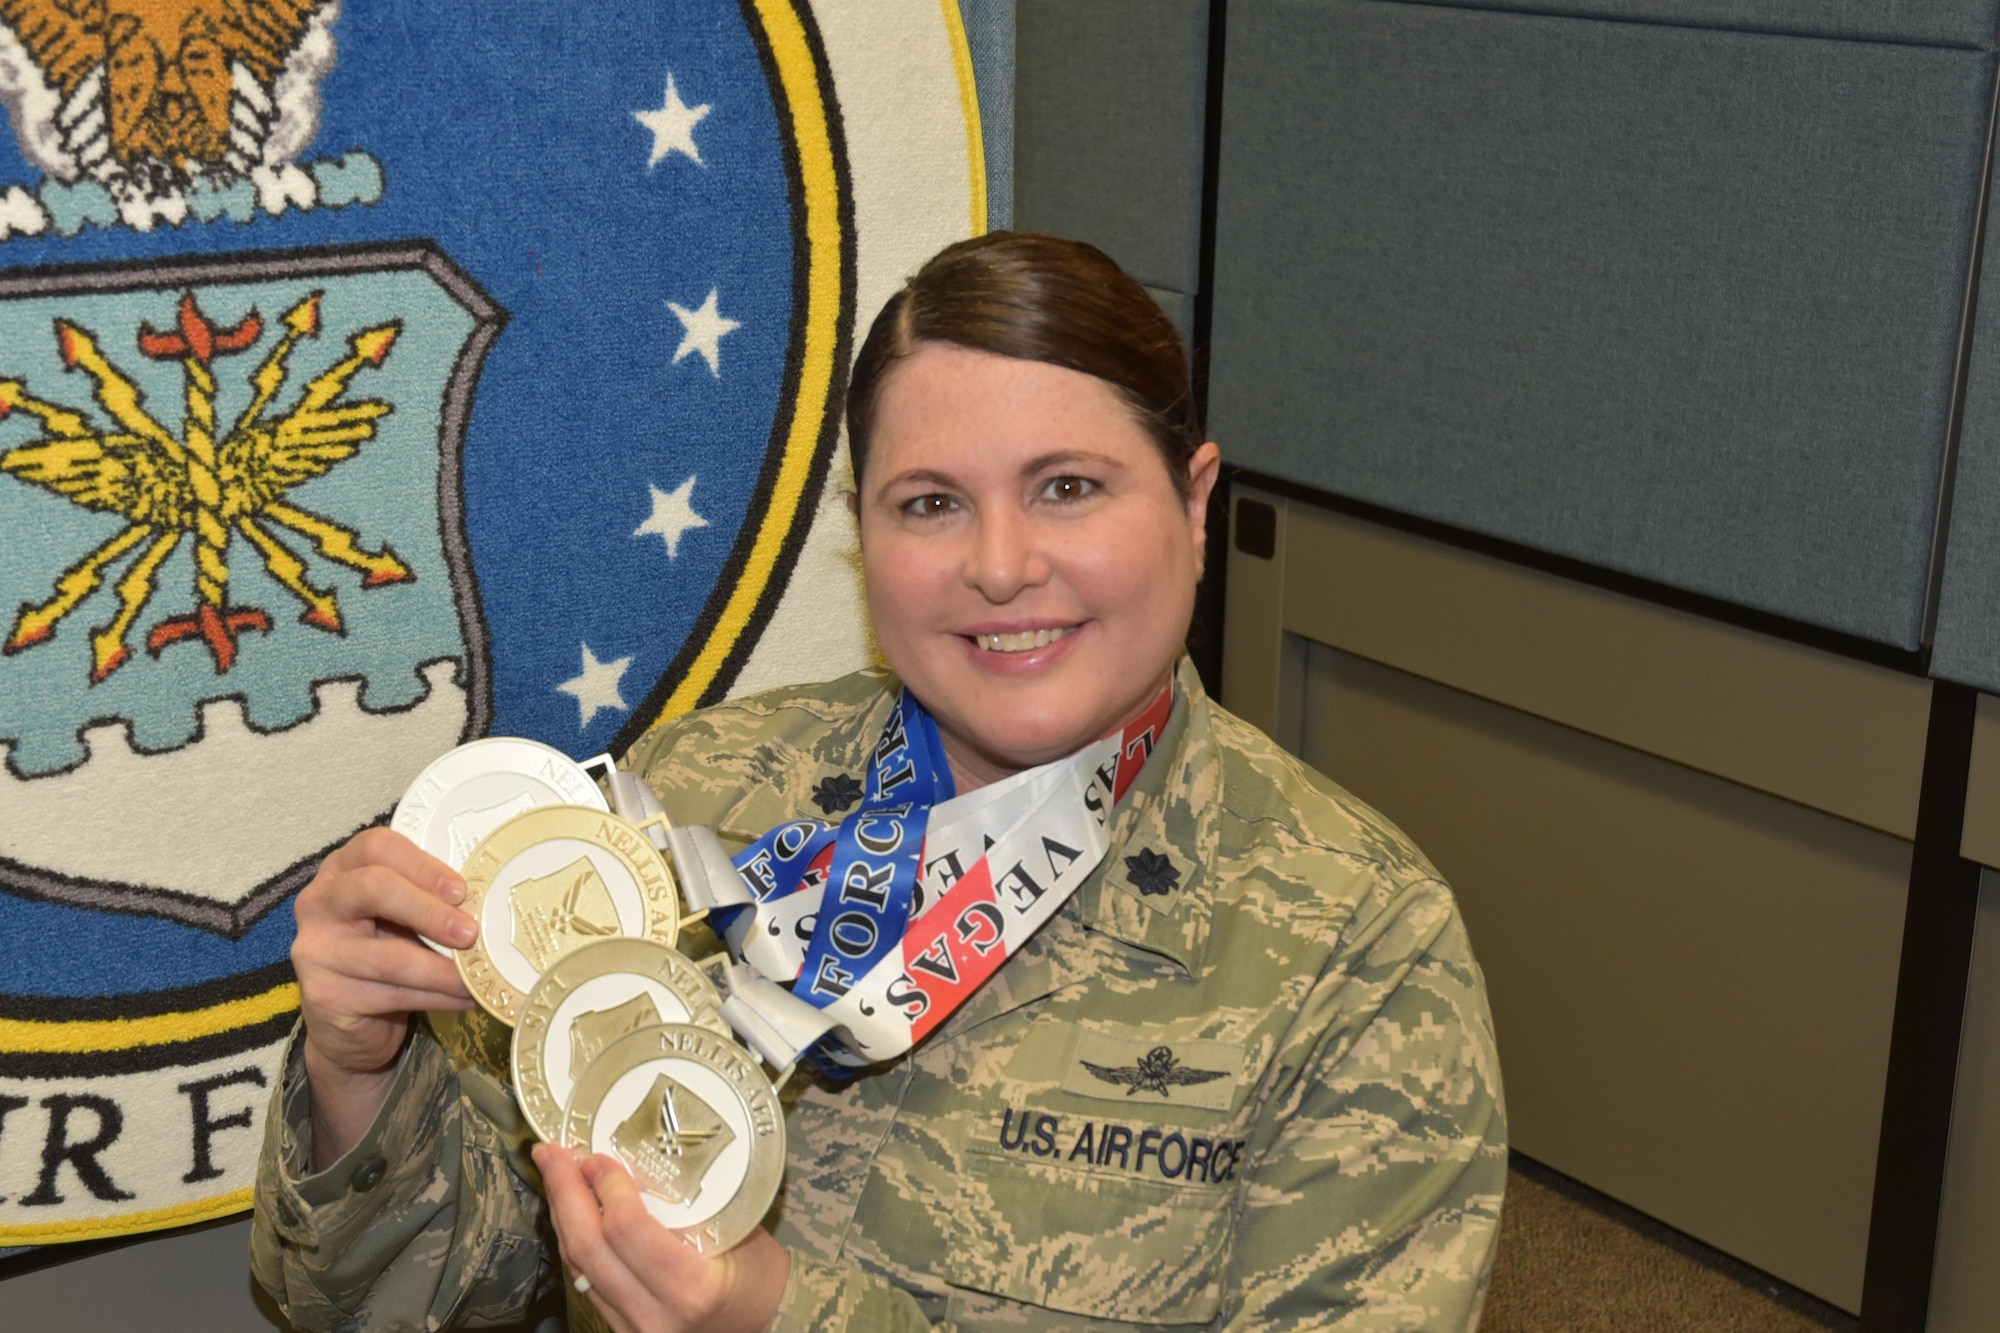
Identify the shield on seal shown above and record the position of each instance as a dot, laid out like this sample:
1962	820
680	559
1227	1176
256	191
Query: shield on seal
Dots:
239	558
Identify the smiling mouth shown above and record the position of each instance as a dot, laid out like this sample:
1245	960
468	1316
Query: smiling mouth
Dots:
1023	642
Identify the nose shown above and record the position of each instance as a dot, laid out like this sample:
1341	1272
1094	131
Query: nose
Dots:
1005	556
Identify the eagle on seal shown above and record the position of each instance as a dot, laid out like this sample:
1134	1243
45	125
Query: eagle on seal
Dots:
152	97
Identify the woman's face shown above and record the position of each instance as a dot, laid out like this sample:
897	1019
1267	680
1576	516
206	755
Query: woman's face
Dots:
1030	566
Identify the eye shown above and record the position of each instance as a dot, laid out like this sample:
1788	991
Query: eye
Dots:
934	505
1068	489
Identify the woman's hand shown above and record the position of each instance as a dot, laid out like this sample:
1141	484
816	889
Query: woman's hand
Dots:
363	972
642	1277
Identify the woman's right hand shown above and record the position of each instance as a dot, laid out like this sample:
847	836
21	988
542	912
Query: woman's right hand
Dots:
363	972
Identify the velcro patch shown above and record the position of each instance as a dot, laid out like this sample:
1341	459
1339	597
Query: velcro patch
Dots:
1180	1073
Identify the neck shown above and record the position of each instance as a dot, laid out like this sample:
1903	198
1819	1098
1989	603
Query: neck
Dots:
971	770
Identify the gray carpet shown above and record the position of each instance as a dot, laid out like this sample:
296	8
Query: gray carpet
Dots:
1573	1261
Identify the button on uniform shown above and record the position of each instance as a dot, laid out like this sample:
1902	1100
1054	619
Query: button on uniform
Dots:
368	1175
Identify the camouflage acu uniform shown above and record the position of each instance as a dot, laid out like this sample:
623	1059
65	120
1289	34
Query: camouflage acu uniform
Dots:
1244	1080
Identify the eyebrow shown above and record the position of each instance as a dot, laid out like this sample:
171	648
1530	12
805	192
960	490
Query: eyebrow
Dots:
1061	456
1040	463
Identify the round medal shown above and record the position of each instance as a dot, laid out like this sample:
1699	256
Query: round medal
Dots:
466	793
696	1122
588	1000
547	882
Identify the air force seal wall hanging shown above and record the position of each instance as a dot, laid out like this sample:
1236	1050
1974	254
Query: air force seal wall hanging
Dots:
372	379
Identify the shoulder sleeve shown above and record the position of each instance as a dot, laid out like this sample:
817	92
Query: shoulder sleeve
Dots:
1391	1135
430	1220
700	764
761	749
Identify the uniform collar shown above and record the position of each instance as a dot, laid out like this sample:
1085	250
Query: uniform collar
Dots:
1153	890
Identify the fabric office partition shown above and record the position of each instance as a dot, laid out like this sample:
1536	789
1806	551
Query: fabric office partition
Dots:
1925	22
1110	98
1967	643
1620	283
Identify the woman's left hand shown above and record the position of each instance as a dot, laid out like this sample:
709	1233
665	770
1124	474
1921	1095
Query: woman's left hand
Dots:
642	1277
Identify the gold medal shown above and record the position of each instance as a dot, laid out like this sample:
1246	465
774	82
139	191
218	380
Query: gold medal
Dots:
694	1119
588	1000
547	882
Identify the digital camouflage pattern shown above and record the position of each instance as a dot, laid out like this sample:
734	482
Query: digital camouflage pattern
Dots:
1244	1080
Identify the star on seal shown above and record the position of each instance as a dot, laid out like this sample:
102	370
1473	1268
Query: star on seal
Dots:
1151	873
836	793
1157	1070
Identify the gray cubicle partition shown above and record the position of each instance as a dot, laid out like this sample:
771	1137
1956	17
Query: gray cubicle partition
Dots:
1670	296
1109	98
1671	288
1967	635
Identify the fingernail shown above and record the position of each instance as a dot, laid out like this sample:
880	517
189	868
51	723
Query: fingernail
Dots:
461	931
452	889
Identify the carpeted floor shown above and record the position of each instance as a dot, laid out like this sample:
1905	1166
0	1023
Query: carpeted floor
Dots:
1573	1261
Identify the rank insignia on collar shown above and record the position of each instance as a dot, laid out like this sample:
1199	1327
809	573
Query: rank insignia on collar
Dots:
1157	1071
836	793
1151	873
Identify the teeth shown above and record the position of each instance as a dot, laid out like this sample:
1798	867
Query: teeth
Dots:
1023	642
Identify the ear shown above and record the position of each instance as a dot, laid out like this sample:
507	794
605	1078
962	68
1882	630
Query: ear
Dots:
1203	470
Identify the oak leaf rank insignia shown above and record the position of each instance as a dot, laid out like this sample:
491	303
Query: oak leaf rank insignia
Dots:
836	793
1151	873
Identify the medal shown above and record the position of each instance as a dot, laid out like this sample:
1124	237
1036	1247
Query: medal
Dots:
466	793
694	1119
588	1000
547	882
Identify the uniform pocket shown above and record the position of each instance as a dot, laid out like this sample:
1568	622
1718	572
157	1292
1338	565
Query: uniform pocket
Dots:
1089	1242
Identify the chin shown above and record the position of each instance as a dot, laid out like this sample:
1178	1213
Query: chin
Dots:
1037	739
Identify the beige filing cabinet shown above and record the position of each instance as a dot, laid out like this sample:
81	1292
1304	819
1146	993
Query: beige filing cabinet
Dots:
1965	1288
1682	850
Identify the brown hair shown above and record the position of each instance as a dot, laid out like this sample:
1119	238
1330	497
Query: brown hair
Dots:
1036	298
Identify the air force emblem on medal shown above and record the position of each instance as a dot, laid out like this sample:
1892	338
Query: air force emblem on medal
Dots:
672	1140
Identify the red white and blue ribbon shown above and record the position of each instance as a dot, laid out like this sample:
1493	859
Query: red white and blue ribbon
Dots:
841	937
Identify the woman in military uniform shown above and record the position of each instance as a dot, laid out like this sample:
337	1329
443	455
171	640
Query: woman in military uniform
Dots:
1243	1079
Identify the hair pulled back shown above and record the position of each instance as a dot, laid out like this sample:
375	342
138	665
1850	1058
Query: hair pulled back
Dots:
1036	298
